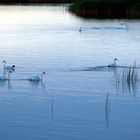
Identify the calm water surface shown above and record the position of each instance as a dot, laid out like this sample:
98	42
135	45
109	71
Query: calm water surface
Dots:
78	98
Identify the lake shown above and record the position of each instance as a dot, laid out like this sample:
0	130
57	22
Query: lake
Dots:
80	97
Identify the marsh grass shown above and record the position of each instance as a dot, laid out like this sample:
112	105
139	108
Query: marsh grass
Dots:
128	78
130	75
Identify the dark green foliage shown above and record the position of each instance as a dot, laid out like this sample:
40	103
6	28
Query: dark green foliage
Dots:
106	8
136	6
90	4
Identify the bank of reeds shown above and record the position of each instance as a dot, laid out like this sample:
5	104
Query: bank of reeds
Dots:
107	8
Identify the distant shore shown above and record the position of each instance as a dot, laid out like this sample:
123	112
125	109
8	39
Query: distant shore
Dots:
101	9
9	2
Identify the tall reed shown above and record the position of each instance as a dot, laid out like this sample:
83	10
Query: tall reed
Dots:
129	75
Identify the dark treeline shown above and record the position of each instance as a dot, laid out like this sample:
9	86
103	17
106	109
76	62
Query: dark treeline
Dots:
34	1
107	8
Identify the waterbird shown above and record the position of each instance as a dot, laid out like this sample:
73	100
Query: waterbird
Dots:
8	66
113	64
4	77
80	29
36	76
126	25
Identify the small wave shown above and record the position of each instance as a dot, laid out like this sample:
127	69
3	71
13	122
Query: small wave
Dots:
103	68
98	68
110	28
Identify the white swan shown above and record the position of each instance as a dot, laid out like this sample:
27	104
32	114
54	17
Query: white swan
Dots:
4	77
113	64
36	76
126	25
7	66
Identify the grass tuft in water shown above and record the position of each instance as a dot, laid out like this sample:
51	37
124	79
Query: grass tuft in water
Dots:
129	75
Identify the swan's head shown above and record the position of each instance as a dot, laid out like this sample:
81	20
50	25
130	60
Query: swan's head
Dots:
115	59
4	61
44	72
13	66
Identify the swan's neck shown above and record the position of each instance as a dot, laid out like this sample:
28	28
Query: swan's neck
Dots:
4	71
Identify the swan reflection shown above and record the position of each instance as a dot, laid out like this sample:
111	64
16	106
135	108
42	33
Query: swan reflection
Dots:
37	84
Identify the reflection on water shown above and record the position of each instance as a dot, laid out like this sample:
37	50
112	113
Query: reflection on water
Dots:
9	84
107	109
3	82
52	108
6	83
35	84
71	103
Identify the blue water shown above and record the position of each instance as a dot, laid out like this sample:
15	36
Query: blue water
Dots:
79	97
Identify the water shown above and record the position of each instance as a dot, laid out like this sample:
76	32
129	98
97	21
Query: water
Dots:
80	97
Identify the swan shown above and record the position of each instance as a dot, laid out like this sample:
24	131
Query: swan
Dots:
7	66
80	29
126	25
113	64
4	77
36	76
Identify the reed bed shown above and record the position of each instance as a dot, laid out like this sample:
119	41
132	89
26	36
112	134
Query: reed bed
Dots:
128	75
127	79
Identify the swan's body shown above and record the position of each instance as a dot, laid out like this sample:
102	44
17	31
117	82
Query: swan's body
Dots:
7	66
4	77
113	64
36	76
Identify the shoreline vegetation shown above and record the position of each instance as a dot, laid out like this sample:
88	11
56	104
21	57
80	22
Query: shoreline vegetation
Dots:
107	9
